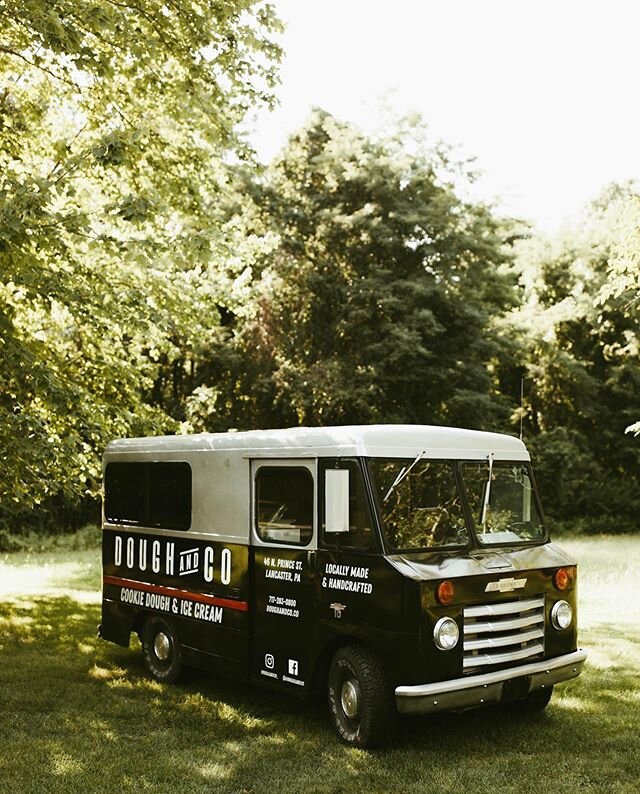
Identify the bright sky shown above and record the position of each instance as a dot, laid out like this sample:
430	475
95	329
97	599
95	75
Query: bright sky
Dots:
544	93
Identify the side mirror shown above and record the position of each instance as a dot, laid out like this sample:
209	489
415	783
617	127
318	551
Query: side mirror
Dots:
336	500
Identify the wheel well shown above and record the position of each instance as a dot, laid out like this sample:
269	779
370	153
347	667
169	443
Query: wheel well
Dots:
321	671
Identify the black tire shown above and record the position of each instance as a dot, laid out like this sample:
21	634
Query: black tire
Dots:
535	701
361	701
161	650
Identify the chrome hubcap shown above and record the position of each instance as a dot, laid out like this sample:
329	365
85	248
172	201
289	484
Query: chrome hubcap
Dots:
162	646
350	698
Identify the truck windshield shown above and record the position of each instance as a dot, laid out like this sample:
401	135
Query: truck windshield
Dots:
503	507
423	510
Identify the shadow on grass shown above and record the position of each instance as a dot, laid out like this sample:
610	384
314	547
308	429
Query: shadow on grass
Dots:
79	714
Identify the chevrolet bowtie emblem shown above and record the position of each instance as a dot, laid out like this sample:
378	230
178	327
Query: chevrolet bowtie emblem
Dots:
505	585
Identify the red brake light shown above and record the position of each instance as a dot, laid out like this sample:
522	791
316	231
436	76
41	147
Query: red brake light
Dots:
445	592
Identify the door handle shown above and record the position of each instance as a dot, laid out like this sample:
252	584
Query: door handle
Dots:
311	559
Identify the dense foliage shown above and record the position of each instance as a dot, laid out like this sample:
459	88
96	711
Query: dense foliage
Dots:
154	278
115	121
579	350
372	297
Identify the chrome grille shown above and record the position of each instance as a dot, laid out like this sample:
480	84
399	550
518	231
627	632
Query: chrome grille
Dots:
499	634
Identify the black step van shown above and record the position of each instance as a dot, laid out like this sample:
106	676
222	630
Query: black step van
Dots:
404	569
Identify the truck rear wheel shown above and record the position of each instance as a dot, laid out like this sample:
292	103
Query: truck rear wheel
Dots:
161	650
360	699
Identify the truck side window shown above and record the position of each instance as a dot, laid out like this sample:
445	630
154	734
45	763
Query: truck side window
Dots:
125	494
360	535
148	494
284	504
170	495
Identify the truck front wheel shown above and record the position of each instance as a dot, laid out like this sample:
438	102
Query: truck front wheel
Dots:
360	699
161	650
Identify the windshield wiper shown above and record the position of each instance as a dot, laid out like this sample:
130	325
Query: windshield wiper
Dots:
487	492
402	474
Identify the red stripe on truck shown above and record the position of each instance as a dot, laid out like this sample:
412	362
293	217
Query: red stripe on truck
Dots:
227	603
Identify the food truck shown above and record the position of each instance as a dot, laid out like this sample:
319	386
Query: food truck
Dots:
401	569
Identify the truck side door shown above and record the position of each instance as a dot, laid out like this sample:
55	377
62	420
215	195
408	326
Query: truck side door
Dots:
358	594
284	543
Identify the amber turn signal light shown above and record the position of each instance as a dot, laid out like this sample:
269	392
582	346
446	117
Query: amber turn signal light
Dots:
562	578
445	592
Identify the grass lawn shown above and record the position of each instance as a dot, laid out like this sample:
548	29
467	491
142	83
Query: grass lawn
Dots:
78	714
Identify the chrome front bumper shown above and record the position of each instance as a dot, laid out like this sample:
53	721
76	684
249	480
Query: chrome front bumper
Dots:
480	690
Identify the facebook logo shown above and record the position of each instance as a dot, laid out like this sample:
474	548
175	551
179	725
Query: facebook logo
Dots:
293	667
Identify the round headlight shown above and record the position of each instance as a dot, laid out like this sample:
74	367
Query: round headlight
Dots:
561	615
446	634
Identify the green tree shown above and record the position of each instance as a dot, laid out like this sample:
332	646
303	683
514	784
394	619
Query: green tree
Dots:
623	283
116	121
578	350
373	296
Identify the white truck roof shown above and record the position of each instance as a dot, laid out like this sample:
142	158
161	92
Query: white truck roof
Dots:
404	441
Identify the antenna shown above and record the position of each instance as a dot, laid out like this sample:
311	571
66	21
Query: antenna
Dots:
521	405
